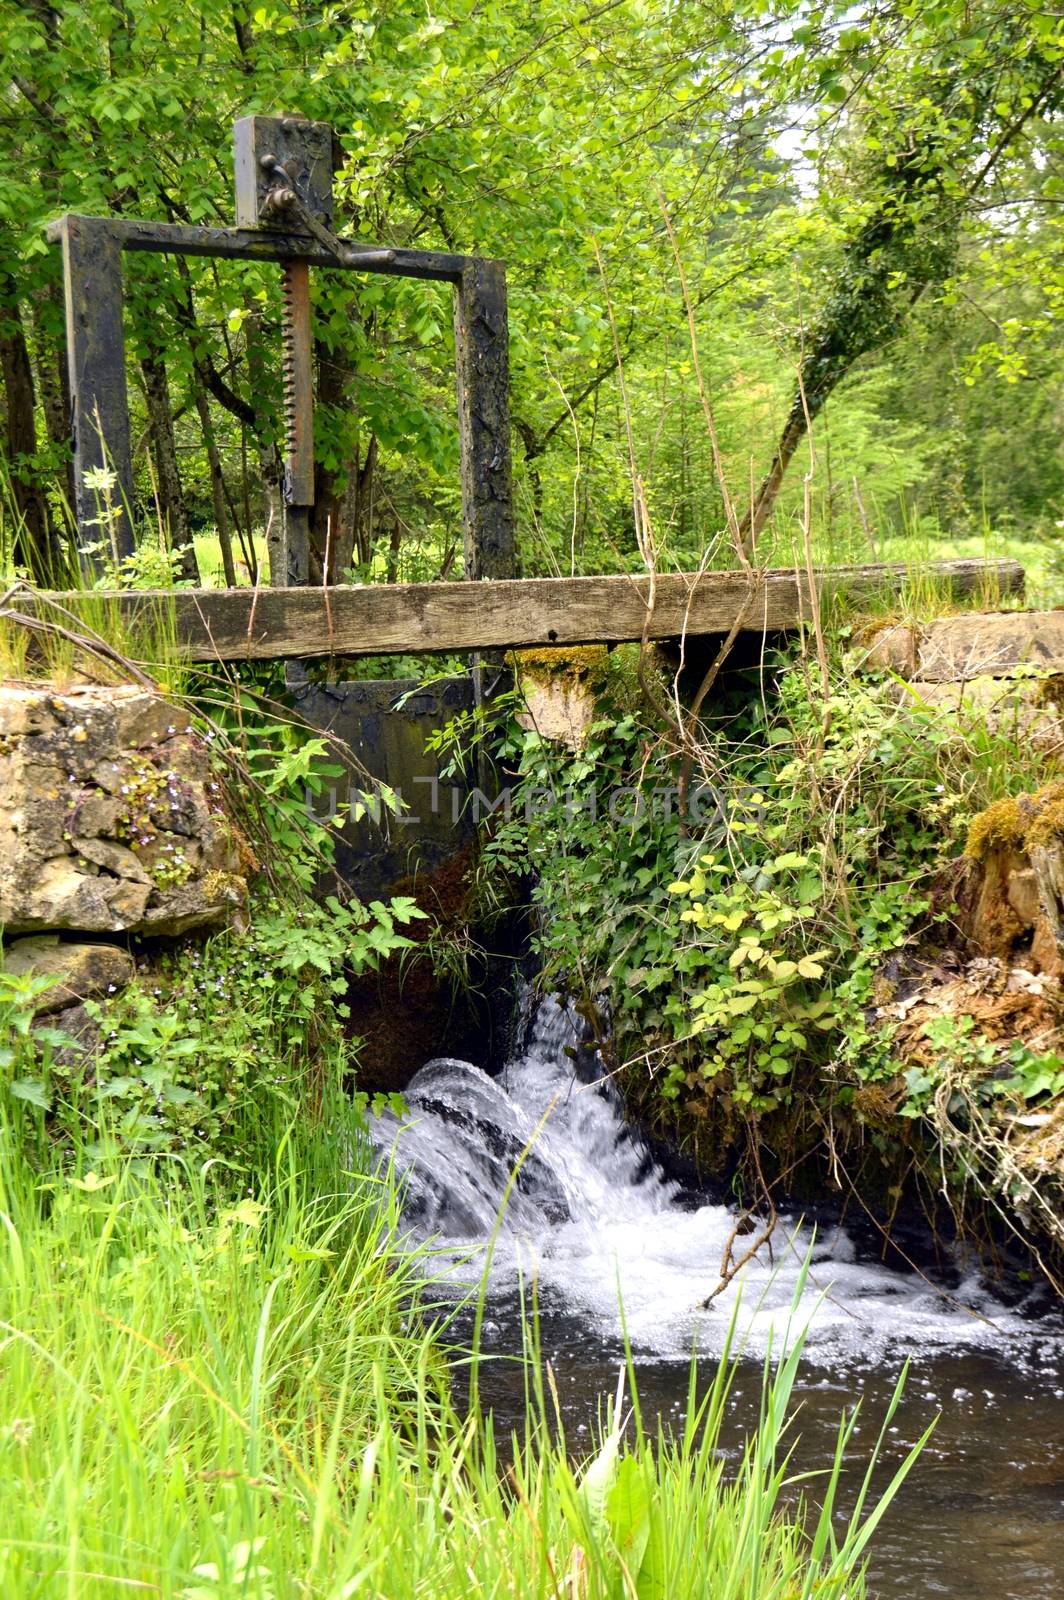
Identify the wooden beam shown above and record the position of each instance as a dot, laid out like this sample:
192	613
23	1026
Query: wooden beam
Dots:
408	619
260	244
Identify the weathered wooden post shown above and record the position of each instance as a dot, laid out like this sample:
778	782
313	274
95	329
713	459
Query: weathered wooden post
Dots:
96	361
283	173
481	343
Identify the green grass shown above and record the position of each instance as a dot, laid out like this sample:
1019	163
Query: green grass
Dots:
208	1394
209	560
1039	555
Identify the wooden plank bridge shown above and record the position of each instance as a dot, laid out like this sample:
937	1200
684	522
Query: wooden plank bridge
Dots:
410	619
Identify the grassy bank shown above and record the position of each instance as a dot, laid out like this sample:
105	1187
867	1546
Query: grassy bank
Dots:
210	1391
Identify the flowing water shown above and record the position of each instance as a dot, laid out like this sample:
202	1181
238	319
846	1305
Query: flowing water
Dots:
597	1223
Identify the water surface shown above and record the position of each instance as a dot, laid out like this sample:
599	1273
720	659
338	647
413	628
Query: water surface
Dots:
591	1218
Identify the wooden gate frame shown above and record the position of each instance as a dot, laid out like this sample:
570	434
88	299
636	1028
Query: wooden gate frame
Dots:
92	279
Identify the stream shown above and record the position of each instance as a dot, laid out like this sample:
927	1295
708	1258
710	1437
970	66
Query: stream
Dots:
595	1221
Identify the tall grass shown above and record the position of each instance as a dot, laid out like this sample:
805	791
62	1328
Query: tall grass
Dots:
90	638
206	1394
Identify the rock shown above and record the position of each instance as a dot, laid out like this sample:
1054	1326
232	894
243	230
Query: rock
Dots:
558	689
976	644
116	859
893	649
560	711
979	668
110	820
1025	708
85	1034
99	816
85	971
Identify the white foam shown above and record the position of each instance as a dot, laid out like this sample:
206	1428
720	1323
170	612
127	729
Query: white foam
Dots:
592	1218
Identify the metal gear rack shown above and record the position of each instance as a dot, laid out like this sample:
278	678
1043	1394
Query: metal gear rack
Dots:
284	213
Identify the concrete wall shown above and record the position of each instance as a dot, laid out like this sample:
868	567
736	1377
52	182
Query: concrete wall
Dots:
386	722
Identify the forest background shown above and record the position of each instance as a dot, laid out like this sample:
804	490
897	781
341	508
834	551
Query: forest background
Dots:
865	201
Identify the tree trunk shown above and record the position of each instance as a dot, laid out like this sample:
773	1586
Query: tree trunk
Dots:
32	543
351	541
533	448
172	510
342	546
221	520
363	484
395	539
758	514
334	374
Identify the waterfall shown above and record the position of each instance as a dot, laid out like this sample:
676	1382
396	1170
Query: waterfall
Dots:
598	1223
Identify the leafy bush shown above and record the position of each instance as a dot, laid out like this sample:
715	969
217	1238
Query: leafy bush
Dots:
737	946
214	1046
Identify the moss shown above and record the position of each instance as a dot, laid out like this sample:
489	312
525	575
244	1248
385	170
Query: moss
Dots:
1018	823
999	827
884	989
868	628
224	886
876	1104
240	852
585	663
1047	824
1050	692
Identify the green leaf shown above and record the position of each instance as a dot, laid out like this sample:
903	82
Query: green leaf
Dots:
303	1252
628	1503
33	1091
597	1480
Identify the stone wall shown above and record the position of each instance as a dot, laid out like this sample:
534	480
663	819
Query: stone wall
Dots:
113	826
111	819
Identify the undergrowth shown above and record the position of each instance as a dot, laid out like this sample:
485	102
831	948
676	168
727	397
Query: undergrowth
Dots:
729	935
